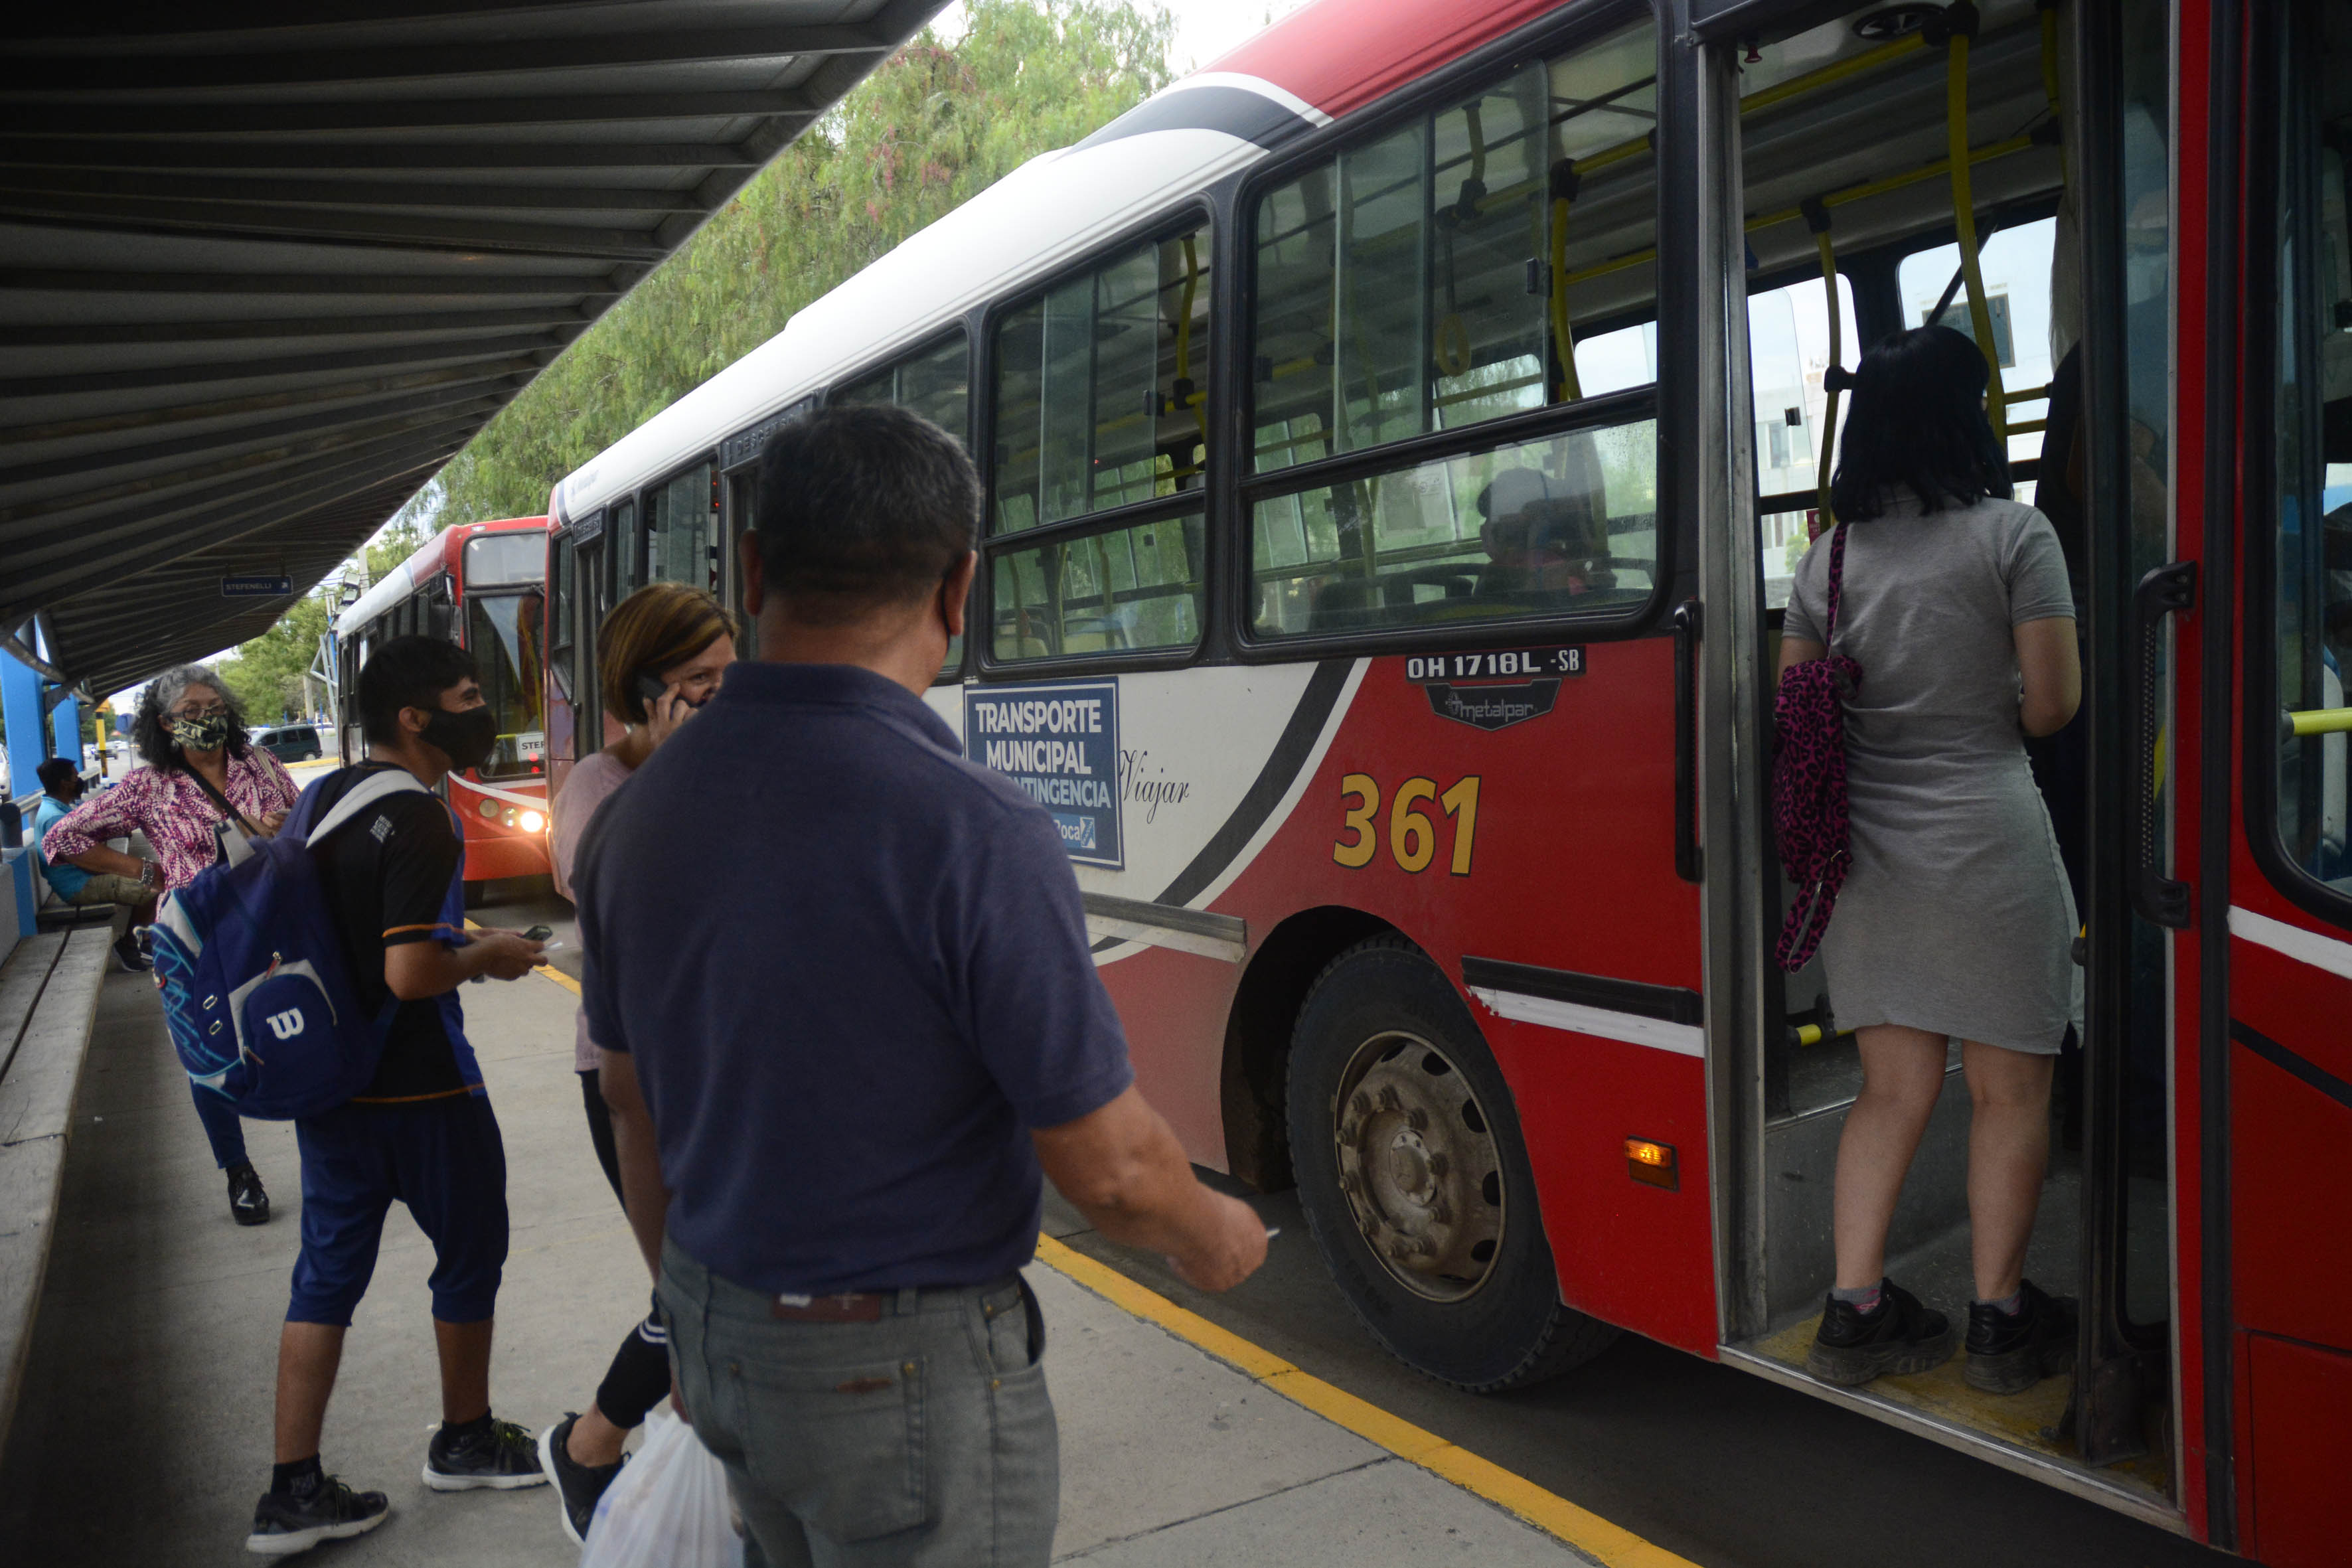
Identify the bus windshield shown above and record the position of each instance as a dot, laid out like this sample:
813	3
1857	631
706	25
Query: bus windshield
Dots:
503	634
498	558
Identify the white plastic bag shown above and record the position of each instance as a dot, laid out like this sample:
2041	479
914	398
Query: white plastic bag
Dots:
668	1508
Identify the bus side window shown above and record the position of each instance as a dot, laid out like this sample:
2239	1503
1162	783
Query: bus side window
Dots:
1788	355
2015	265
626	544
1493	258
560	612
682	530
2311	563
592	561
935	383
1101	411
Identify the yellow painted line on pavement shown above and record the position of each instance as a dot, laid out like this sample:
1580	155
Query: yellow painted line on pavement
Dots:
1555	1515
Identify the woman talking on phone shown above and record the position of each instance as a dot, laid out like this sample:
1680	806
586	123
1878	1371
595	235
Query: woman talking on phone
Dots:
662	651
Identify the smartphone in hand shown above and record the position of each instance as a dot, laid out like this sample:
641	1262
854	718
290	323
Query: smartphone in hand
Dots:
650	688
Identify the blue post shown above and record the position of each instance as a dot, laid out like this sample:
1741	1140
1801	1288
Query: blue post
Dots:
66	727
20	708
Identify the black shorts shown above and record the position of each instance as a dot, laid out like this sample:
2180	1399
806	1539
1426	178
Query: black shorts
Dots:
443	1159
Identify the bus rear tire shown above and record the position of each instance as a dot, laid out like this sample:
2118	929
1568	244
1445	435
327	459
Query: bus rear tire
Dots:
1415	1181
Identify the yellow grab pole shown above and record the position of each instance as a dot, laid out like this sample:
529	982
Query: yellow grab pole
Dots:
1563	192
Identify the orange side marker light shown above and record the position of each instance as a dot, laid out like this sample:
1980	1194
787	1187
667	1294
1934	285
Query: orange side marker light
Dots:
1652	1164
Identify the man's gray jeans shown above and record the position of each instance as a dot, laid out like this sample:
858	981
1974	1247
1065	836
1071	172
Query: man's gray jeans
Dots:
923	1439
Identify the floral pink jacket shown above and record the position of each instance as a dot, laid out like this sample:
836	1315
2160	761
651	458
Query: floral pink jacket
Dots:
174	813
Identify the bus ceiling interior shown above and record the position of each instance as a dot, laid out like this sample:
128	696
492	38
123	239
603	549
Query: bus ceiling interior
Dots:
1849	122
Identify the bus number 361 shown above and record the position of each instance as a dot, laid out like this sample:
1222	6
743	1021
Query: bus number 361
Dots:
1412	831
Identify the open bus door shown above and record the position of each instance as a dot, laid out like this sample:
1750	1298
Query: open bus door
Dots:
2054	248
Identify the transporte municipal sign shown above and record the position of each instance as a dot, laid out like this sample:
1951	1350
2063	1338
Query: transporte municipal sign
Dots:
1058	741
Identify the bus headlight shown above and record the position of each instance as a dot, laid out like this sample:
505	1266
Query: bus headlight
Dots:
533	822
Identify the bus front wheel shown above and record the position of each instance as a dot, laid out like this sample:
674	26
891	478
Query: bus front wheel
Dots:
1416	1180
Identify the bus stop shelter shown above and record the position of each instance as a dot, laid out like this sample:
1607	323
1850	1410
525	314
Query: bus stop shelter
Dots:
264	267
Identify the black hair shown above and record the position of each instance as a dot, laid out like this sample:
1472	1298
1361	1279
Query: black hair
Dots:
1918	420
150	737
55	772
859	508
406	672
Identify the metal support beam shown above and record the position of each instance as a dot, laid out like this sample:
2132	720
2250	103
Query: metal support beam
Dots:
600	282
441	325
245	119
123	67
375	157
251	220
175	376
29	187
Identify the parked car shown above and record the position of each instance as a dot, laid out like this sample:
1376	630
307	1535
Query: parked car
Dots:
293	743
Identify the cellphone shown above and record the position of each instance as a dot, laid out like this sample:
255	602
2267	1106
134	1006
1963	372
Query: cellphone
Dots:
650	688
539	933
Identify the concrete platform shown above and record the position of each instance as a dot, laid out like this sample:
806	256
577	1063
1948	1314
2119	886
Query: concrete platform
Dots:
142	1434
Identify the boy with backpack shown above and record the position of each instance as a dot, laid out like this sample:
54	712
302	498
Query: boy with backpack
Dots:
420	1130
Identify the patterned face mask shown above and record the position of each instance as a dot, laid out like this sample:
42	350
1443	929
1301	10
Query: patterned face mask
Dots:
206	733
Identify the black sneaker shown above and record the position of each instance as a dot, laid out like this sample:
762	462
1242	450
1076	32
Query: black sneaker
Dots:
1902	1336
2009	1355
578	1487
284	1525
248	1203
502	1457
128	953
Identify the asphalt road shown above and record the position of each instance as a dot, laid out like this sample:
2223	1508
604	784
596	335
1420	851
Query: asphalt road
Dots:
1714	1464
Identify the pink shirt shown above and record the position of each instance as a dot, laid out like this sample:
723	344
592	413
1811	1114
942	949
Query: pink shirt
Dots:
174	813
593	778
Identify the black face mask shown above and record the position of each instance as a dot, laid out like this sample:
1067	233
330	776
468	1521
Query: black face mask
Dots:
466	738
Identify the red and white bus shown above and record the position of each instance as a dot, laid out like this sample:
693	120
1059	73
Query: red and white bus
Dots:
481	585
1397	439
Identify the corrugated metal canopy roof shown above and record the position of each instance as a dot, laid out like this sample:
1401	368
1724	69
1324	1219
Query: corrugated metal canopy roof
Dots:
264	267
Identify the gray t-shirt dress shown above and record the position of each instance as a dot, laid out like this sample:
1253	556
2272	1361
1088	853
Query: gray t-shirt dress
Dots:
1955	916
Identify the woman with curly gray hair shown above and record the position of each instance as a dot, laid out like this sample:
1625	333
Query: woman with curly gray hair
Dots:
200	780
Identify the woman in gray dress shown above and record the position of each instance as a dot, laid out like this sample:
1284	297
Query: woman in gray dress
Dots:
1956	921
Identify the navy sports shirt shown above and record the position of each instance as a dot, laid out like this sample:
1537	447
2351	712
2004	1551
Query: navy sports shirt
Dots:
853	969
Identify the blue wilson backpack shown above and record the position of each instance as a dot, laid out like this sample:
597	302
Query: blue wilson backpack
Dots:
255	990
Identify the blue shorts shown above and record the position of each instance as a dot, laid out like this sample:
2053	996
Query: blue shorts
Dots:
445	1160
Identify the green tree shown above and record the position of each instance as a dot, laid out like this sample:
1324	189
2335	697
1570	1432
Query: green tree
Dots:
934	126
267	673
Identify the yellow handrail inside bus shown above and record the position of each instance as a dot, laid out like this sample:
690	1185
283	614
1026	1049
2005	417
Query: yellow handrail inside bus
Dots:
2296	726
1563	192
1964	216
1184	342
1863	192
1836	70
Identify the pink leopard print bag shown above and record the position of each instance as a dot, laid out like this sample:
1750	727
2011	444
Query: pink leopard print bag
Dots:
1809	803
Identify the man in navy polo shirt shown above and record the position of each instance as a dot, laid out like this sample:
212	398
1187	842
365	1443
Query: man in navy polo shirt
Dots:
842	982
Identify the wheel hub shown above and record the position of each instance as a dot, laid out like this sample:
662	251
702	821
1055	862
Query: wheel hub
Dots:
1418	1167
